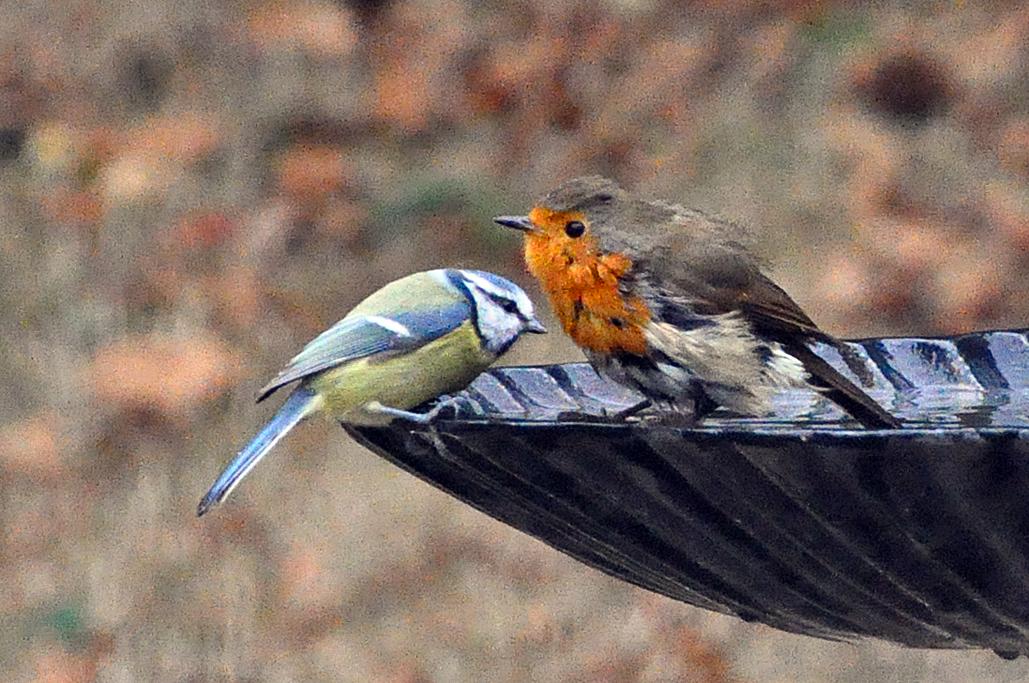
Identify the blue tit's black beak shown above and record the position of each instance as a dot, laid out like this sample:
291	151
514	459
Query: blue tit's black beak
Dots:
517	222
535	326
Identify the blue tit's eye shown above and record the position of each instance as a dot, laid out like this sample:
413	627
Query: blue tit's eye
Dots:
574	229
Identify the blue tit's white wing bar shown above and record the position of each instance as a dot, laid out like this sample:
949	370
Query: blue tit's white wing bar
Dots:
361	336
799	520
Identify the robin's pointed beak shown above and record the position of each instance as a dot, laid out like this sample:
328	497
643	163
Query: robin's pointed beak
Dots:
517	222
535	326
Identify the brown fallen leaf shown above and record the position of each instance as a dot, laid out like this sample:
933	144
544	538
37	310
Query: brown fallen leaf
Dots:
969	289
1013	147
32	446
74	208
321	29
179	136
57	666
311	173
161	373
203	230
235	293
1008	212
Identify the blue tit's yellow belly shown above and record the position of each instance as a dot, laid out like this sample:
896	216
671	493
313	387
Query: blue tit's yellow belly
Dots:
404	381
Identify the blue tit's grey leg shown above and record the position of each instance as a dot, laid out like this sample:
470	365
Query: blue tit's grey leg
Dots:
389	414
443	403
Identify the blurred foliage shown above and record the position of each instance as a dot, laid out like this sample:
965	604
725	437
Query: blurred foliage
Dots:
189	191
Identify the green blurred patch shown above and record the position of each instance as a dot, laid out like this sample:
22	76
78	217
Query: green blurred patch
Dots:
837	30
474	203
417	198
68	622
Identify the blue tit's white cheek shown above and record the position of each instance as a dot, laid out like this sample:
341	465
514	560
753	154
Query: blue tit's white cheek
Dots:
498	328
501	307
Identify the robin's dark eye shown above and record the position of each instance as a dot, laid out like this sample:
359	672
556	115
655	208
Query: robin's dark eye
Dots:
574	228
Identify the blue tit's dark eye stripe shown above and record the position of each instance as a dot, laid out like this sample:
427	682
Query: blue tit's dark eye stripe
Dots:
508	306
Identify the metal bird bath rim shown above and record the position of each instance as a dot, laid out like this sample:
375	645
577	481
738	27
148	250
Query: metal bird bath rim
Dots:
801	520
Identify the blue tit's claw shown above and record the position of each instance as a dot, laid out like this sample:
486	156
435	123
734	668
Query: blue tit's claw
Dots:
447	407
468	406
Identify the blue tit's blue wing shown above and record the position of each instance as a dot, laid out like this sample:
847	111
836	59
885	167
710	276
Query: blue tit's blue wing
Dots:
368	335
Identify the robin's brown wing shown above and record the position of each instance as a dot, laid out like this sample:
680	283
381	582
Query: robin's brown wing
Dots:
718	276
767	306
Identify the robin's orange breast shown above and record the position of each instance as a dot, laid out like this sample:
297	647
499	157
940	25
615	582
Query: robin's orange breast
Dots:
583	289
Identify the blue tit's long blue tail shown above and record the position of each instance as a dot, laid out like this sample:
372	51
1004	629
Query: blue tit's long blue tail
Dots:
301	403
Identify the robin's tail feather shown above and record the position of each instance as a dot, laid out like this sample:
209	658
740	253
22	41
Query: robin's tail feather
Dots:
841	390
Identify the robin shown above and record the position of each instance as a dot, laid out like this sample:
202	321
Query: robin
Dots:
668	301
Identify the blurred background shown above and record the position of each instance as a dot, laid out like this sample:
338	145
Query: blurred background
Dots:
189	191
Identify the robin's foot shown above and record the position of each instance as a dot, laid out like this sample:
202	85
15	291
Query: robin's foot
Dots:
683	414
607	416
670	418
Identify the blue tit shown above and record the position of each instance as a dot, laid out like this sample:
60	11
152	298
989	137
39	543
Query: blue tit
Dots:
417	338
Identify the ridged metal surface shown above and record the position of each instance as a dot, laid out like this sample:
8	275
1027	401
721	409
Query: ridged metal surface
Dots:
800	520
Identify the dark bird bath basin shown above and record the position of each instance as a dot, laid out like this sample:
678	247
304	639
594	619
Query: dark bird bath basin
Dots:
802	521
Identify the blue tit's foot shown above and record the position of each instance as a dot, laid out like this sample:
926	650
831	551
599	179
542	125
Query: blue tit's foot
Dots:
607	416
446	407
455	407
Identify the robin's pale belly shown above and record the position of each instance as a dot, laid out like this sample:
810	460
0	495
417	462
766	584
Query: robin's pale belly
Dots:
723	362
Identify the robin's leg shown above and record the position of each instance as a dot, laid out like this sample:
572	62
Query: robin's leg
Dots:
703	405
688	411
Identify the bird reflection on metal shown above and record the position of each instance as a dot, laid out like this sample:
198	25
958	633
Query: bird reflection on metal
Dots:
803	520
